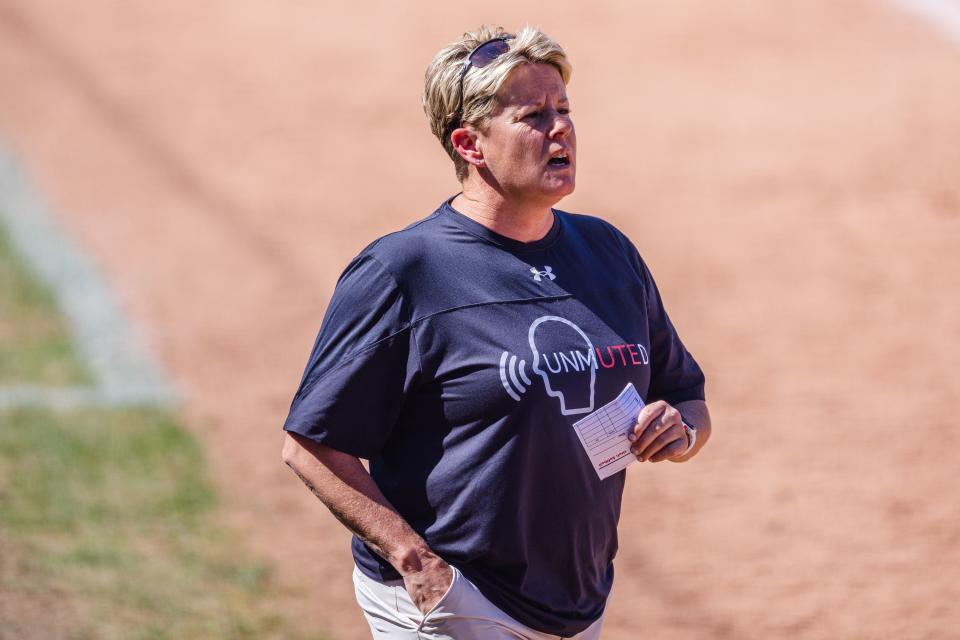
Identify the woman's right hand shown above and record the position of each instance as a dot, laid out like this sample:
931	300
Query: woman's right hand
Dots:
428	585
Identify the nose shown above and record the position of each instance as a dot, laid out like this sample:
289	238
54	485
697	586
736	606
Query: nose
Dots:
562	125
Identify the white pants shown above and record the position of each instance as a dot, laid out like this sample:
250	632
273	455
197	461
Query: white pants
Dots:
463	613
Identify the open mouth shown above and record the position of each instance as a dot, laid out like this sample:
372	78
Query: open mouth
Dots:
559	161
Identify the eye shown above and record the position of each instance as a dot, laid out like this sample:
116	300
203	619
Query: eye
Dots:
564	111
532	114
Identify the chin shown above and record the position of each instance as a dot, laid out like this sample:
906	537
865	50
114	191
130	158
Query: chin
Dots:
548	192
556	192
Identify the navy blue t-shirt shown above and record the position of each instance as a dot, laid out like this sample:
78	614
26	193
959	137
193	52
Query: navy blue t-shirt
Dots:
457	360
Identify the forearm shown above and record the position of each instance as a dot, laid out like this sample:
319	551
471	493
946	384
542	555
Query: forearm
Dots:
340	481
696	414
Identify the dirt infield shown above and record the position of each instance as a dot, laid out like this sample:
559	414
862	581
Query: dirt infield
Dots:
789	170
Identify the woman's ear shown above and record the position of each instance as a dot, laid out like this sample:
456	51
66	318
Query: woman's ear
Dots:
464	142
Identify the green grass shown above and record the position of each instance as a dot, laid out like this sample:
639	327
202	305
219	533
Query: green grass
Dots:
110	515
35	345
109	524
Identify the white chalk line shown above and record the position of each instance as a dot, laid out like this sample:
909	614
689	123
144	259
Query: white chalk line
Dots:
124	371
73	398
944	14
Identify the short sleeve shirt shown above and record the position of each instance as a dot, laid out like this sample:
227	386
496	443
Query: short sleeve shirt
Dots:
456	361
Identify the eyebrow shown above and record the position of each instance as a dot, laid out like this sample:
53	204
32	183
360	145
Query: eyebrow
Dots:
537	102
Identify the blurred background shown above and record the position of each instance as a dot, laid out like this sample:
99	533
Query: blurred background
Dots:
790	172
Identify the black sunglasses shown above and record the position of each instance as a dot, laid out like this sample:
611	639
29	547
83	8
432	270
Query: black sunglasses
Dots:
481	56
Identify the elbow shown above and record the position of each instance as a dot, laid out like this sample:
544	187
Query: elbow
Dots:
300	452
291	451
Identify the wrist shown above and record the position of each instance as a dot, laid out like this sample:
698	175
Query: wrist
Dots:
691	433
414	559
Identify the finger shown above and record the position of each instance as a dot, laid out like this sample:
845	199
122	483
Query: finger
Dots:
670	417
651	433
427	587
672	450
648	414
425	597
668	435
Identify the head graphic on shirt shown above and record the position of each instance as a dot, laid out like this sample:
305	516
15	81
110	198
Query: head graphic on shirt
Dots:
563	357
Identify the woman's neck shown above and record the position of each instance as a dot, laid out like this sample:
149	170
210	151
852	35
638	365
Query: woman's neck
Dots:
518	221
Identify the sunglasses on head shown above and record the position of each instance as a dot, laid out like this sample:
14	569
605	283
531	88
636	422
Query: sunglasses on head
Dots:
481	56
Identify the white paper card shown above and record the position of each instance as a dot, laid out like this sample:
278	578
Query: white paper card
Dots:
603	433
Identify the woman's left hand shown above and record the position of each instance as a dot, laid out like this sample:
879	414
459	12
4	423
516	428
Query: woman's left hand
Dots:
659	433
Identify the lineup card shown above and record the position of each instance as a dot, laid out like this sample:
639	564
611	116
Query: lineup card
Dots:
603	433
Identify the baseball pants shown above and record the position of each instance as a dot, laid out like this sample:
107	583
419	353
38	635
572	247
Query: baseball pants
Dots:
463	613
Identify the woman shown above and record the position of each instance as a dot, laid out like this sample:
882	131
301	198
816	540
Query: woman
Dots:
457	354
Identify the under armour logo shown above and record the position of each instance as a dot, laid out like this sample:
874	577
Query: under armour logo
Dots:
538	275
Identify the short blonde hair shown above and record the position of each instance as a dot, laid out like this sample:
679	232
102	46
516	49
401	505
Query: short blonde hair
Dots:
442	80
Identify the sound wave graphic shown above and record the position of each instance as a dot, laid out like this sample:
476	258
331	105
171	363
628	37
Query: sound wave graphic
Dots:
511	383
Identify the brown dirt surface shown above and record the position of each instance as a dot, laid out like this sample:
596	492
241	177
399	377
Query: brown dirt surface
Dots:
789	170
29	609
